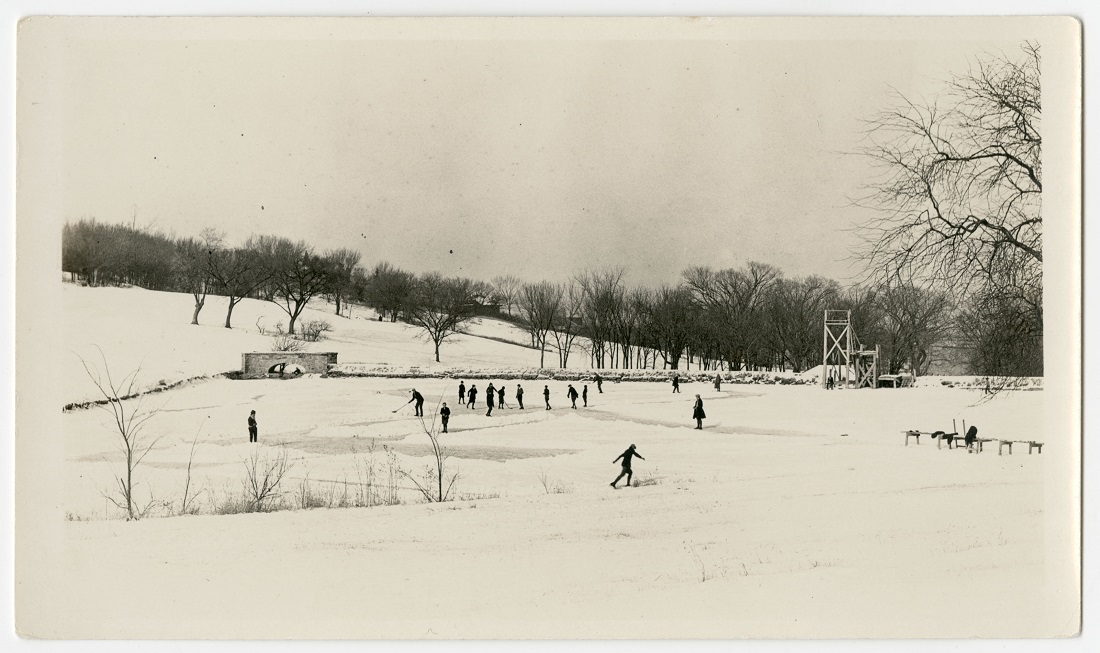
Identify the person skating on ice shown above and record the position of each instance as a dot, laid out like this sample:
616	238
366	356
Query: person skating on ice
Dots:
461	393
584	395
546	395
500	397
490	399
253	428
472	396
445	415
572	394
627	472
419	399
519	395
697	414
599	383
675	382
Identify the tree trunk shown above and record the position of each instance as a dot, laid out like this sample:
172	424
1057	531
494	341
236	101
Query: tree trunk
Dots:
337	303
198	307
437	360
229	314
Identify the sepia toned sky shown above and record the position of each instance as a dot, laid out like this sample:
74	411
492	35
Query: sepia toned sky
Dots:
484	157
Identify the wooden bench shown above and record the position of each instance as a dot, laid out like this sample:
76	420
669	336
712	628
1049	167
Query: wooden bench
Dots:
1031	446
912	434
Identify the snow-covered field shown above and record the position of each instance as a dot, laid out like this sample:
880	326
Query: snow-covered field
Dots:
796	512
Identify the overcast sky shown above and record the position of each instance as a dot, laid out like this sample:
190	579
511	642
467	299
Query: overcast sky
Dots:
486	157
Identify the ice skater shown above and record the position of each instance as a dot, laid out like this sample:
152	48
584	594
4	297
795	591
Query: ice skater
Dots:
472	396
675	382
461	393
572	394
500	397
519	395
718	382
419	407
445	415
546	395
698	415
253	428
599	383
627	472
584	395
490	398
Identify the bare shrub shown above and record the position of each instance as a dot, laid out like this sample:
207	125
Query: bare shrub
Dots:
187	506
314	330
436	482
263	476
286	342
130	420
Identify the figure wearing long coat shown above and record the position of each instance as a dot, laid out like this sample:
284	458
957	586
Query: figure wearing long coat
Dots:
697	414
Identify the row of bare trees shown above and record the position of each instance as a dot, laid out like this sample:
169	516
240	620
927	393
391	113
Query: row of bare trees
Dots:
735	319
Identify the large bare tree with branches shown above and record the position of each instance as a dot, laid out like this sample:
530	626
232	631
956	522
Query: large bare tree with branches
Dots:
959	198
441	307
961	185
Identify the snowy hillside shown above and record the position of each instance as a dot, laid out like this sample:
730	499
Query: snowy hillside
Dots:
795	510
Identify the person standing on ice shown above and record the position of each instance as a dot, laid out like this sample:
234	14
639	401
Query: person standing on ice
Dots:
584	395
461	393
718	382
698	415
490	398
675	382
572	394
472	396
253	428
500	397
445	415
419	407
599	383
546	395
519	395
627	472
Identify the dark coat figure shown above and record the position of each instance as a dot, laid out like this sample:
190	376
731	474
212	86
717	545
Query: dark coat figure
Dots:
419	399
519	395
500	397
445	416
546	395
971	436
490	399
599	383
698	415
253	428
627	472
830	382
718	382
584	395
472	396
572	394
675	382
461	392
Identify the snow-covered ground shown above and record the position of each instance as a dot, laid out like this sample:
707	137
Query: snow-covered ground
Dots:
795	512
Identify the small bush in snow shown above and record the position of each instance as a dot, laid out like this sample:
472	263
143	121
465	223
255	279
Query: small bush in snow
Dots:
286	342
314	330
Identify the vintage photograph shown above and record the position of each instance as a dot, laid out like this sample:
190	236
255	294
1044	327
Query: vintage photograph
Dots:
548	328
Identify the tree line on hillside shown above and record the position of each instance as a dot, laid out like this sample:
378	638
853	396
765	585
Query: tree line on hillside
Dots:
752	318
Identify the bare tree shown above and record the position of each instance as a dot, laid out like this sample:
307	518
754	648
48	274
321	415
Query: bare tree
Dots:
914	320
670	322
389	290
601	290
296	275
539	303
566	324
342	264
441	307
263	476
507	289
238	272
130	414
436	483
961	175
795	309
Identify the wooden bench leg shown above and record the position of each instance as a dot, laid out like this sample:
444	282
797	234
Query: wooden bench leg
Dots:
1034	445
